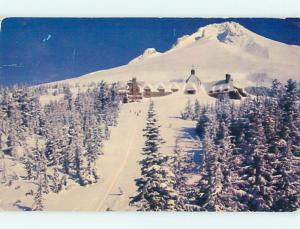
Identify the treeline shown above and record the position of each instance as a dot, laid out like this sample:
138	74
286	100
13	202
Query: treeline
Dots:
250	157
61	140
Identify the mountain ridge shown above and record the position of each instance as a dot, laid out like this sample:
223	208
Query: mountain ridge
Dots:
214	50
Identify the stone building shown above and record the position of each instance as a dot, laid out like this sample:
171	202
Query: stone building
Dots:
134	91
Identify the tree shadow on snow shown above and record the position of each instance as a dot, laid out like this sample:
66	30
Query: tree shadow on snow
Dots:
190	135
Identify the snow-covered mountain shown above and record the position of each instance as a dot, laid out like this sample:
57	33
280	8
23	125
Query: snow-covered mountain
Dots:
148	53
213	50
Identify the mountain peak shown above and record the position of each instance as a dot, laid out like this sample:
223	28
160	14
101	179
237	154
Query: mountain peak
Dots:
228	33
149	52
224	32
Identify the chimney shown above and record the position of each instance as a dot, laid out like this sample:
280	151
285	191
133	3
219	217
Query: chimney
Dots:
193	72
228	78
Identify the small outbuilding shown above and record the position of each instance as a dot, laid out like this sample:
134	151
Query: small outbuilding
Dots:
174	87
161	89
148	90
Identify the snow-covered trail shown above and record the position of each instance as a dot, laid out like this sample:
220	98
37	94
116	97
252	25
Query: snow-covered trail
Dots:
119	166
127	140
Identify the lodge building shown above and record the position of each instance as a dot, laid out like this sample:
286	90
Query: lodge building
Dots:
135	91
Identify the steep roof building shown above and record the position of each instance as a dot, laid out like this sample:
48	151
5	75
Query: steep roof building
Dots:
193	83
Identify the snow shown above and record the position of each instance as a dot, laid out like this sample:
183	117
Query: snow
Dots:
214	50
119	166
148	53
1	19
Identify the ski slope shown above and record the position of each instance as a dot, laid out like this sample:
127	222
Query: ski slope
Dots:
119	166
213	50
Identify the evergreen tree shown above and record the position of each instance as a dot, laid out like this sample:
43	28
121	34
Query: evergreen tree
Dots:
211	180
204	120
38	197
156	187
287	148
291	121
258	164
188	112
51	151
68	96
56	181
197	110
287	186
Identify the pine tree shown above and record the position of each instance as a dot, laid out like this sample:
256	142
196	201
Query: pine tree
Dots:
38	197
40	120
56	181
156	187
258	167
93	147
287	148
179	164
211	180
2	161
102	102
51	151
287	186
68	96
188	112
197	110
28	167
291	119
78	161
204	120
11	144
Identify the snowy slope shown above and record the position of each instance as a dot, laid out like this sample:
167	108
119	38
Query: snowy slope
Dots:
119	166
214	50
148	53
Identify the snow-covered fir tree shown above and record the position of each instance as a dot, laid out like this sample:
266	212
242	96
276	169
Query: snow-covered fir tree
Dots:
188	112
253	164
197	110
156	187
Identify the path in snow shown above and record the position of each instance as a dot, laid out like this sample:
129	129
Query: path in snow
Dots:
130	145
119	166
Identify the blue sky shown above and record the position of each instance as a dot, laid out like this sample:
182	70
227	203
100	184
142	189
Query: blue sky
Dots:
36	50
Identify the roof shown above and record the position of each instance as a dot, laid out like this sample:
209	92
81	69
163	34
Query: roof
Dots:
160	86
149	87
174	86
193	79
218	86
